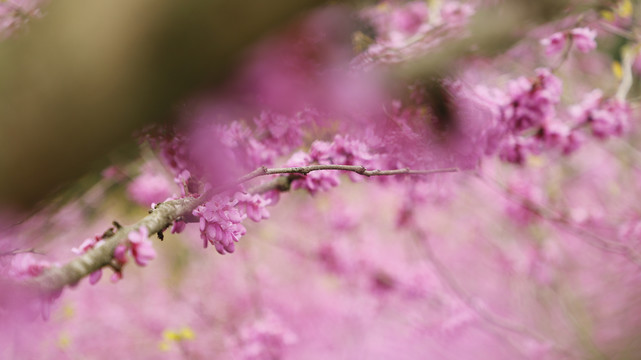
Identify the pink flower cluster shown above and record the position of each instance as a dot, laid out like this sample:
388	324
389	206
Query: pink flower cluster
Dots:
531	101
220	224
528	120
221	219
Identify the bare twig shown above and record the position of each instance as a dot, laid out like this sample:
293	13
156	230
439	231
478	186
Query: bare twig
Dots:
19	251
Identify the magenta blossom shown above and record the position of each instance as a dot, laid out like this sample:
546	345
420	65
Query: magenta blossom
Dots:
554	44
141	247
583	38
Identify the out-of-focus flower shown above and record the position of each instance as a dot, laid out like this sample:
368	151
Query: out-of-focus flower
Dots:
606	117
584	39
141	247
554	44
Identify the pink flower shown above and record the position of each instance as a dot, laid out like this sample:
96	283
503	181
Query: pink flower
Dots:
141	247
554	44
254	205
583	38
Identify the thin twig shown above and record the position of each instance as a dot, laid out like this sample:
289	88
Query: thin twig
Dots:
20	251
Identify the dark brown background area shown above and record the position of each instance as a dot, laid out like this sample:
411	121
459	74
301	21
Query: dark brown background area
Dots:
77	83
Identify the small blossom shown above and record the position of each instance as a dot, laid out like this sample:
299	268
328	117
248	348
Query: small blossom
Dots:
554	44
120	253
116	276
141	247
178	227
254	206
95	276
87	245
184	180
583	38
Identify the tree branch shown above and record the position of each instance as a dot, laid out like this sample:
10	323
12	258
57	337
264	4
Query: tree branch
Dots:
56	278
